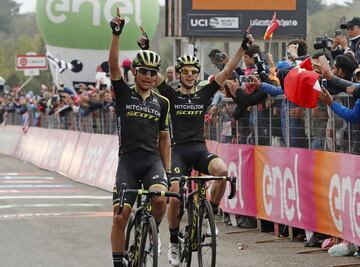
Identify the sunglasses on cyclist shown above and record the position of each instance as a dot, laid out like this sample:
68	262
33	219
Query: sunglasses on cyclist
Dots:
145	71
187	71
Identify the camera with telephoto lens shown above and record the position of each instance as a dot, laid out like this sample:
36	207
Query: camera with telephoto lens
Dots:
323	42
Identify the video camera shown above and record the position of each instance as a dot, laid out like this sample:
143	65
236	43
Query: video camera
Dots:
323	42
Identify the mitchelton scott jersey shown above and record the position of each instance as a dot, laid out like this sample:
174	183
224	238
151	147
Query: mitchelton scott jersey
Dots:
187	112
139	121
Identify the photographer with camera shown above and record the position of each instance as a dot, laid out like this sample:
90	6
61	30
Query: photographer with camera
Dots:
340	44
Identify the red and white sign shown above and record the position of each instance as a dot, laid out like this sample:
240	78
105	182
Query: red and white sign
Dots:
25	62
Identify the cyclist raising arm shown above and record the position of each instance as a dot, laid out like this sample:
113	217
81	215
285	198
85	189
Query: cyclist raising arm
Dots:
142	119
187	108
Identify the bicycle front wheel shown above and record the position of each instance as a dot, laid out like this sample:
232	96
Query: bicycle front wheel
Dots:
149	244
130	239
206	236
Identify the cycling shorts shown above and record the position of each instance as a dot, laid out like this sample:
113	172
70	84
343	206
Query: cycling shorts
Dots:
187	156
138	169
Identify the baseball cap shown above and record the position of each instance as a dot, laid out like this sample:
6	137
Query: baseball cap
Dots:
354	21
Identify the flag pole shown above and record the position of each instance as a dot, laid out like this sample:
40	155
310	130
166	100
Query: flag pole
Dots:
270	44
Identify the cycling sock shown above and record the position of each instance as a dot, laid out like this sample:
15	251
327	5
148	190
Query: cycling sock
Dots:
174	235
215	207
118	259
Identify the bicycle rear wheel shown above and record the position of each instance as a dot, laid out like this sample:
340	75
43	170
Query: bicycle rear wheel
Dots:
149	244
206	236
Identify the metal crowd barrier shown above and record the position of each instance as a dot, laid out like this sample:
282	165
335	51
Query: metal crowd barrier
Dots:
279	123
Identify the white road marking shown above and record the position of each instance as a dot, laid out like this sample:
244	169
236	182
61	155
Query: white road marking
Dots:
26	182
10	216
37	186
52	205
25	177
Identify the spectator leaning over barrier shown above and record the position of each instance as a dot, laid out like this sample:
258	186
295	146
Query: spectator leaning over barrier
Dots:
340	44
350	115
339	79
296	51
142	154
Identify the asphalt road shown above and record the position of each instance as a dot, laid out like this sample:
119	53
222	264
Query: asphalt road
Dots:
49	220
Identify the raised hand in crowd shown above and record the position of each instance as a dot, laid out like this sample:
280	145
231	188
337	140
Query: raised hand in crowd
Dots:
324	72
340	40
296	113
350	89
325	97
248	39
233	86
255	81
293	51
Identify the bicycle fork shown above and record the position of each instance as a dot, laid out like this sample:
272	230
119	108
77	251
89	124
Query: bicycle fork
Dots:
135	248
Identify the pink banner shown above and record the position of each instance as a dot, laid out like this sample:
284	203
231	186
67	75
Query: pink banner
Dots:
9	139
284	186
239	161
337	195
106	177
68	152
94	158
79	154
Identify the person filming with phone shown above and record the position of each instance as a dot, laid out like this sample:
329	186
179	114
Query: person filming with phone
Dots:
340	44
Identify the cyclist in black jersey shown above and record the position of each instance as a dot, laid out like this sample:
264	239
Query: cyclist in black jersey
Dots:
187	110
142	118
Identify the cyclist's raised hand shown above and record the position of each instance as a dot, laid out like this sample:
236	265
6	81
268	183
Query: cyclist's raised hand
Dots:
117	23
143	42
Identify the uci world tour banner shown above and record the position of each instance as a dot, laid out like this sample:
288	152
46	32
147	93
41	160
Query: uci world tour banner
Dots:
229	18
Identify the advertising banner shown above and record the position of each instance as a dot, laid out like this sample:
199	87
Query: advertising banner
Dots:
239	160
78	157
313	190
229	18
107	173
94	158
337	195
9	139
284	186
78	32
